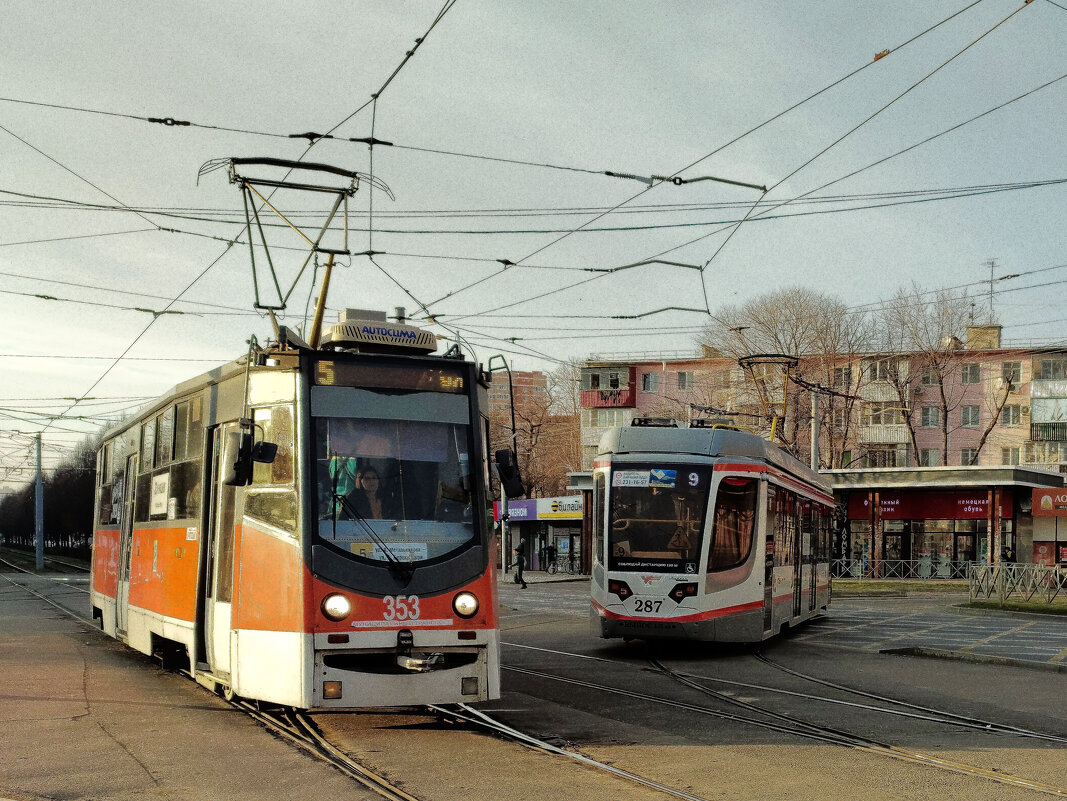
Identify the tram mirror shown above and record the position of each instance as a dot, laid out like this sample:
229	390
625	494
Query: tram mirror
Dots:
508	472
264	452
236	463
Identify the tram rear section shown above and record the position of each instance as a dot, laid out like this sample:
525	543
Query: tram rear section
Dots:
308	527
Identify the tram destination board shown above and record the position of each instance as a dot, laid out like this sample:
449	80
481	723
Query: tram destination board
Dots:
420	378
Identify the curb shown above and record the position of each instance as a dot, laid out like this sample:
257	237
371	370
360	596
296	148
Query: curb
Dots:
981	659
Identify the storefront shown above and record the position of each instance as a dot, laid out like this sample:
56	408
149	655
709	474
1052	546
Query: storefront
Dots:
549	526
934	522
1050	538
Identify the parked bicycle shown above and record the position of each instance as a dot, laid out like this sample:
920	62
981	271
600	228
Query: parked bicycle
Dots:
564	564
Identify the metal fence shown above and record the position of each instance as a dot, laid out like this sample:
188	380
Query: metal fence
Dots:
77	545
927	568
1008	581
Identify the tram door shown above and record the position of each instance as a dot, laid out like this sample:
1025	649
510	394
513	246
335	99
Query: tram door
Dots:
768	561
218	601
122	594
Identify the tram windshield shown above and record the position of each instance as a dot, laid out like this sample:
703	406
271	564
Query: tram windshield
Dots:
656	517
395	490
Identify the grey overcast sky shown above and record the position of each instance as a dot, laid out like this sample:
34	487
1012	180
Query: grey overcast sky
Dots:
106	209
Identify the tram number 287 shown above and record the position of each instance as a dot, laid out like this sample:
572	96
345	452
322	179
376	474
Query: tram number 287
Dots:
647	604
401	607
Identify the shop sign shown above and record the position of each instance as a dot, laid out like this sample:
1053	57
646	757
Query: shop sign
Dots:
966	505
1050	502
569	507
566	508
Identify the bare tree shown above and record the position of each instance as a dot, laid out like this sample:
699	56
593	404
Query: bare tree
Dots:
930	327
825	338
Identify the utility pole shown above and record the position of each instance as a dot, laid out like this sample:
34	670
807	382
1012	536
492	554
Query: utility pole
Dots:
39	510
814	430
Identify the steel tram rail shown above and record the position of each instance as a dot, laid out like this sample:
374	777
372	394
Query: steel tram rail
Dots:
932	715
468	714
800	728
943	716
295	727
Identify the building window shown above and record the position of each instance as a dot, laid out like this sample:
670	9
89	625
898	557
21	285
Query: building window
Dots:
1011	415
685	380
883	413
969	416
971	373
929	457
649	382
842	377
879	369
839	419
891	456
613	380
846	459
1053	369
931	416
930	378
1009	456
594	380
1011	372
968	456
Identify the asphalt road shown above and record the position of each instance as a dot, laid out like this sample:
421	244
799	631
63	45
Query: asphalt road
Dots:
603	699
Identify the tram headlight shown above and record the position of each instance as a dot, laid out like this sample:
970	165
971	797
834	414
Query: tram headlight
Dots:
465	604
336	606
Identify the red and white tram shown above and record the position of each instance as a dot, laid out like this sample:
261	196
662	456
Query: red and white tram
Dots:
705	533
238	536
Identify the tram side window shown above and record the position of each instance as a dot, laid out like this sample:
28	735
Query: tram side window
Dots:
188	430
148	446
165	437
275	503
170	483
807	530
599	508
785	527
103	473
275	424
735	519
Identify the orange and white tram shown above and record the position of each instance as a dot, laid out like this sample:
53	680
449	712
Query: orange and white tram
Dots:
705	533
239	537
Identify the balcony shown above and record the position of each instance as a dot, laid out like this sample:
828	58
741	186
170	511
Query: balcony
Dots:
1048	388
608	398
885	434
1048	432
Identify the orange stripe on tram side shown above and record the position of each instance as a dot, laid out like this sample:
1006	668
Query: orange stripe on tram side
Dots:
163	571
106	561
268	582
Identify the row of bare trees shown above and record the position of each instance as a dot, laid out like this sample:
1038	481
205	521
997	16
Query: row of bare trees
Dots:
68	506
907	345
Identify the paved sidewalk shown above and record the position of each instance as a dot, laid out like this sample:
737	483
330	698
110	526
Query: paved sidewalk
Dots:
538	577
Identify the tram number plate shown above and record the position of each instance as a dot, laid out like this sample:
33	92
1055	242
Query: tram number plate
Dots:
401	607
647	605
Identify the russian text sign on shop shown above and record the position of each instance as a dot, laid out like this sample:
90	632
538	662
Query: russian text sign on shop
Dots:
969	505
1050	502
568	507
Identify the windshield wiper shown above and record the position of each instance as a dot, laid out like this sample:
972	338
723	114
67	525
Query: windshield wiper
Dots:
402	571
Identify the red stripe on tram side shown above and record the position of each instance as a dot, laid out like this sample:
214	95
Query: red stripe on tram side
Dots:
694	618
739	468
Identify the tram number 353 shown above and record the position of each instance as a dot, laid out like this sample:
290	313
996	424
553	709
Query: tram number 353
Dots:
401	607
647	604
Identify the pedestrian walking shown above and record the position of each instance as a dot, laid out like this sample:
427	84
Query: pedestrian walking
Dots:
520	563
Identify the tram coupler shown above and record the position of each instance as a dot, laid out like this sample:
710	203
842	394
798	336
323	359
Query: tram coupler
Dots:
417	664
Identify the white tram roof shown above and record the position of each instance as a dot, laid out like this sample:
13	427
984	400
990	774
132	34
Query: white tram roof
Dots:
707	442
